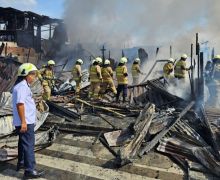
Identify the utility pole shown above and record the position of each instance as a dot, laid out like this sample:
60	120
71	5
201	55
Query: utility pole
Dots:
103	53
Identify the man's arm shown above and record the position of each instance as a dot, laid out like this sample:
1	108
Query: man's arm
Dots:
21	113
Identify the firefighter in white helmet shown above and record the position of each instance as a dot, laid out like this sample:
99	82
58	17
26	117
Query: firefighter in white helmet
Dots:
77	75
95	77
180	68
136	71
122	78
46	76
168	70
24	119
107	75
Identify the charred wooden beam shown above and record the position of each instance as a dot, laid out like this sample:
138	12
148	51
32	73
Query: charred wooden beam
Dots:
61	111
159	136
141	128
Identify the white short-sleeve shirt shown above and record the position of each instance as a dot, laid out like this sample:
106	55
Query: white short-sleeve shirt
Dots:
22	94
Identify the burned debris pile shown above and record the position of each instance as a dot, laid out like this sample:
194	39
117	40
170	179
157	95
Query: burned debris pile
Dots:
154	121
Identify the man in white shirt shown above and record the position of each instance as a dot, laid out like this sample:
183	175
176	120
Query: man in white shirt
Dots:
24	118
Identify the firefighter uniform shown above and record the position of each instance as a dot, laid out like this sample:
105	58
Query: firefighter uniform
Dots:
180	69
122	78
46	75
95	79
168	69
135	70
107	75
77	75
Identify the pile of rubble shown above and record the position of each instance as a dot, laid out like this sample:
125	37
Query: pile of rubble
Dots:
152	120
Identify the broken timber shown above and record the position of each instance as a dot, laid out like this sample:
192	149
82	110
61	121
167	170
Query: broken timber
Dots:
159	136
141	128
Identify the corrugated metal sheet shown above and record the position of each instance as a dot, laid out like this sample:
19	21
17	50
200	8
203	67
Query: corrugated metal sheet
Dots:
8	72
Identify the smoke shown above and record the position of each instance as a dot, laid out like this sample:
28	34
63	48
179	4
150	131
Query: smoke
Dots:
128	23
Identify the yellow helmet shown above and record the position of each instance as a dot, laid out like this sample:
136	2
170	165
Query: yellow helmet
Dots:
79	61
51	62
107	62
98	60
217	57
25	69
123	60
184	56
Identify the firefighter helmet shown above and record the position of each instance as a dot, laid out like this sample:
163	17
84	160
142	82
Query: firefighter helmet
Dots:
26	68
51	62
107	62
184	56
137	60
123	60
79	61
98	60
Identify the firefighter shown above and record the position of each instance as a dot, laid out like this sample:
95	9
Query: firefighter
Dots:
168	70
180	68
46	76
122	78
77	75
107	75
214	82
135	70
95	77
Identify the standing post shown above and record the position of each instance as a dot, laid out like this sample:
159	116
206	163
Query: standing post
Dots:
171	51
122	53
109	55
201	88
103	53
192	75
198	59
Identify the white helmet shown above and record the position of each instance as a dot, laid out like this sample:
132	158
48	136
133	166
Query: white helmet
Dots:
171	60
137	60
184	56
123	60
79	61
26	68
51	62
107	62
98	60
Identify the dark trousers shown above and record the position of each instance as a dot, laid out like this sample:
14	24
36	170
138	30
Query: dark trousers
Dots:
124	89
26	147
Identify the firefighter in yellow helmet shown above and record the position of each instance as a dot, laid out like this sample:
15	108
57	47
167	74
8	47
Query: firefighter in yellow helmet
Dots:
135	71
122	78
107	75
46	76
77	75
95	77
168	70
180	68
